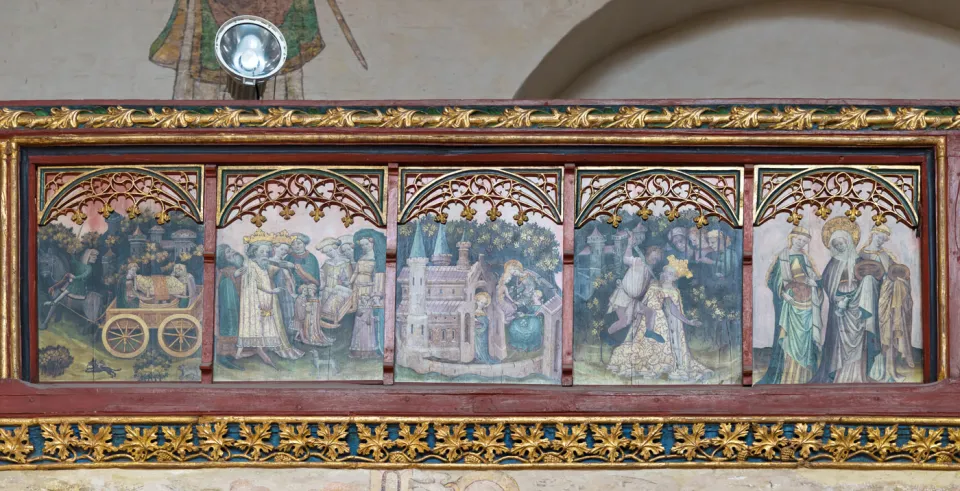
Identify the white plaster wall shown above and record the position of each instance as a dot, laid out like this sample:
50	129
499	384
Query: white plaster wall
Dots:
98	49
792	49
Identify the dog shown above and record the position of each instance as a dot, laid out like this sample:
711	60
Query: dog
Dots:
99	366
319	363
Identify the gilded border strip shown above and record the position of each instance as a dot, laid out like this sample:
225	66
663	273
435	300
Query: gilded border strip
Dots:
10	231
771	117
459	443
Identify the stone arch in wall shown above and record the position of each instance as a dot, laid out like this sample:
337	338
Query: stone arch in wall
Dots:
754	48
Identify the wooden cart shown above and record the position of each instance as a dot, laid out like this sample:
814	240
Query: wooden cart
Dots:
126	333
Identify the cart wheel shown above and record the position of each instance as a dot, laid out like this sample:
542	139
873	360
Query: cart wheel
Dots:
125	336
179	335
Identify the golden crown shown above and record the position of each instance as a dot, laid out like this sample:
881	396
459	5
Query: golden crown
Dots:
680	266
798	230
881	229
283	237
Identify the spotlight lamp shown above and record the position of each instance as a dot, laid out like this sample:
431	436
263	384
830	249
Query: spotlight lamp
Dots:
251	50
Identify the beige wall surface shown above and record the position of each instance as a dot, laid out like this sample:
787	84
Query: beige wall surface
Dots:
425	480
438	49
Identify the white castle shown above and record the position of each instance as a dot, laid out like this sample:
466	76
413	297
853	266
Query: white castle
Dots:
435	317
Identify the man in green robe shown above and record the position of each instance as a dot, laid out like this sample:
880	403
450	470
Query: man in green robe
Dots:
80	274
186	44
228	305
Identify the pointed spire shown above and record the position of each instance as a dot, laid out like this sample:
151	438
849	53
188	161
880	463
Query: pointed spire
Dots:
440	247
463	236
417	249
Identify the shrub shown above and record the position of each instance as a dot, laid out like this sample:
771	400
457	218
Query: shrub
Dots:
152	366
54	360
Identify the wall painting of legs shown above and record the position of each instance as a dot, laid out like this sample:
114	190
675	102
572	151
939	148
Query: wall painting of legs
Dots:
837	276
301	265
479	295
120	264
658	261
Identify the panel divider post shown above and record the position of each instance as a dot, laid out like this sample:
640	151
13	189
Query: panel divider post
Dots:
390	279
746	315
208	325
569	203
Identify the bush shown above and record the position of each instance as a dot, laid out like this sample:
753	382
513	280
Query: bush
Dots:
54	360
152	366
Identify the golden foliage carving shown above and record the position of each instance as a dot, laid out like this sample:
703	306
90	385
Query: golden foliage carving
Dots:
790	191
116	117
792	118
605	195
629	117
243	196
647	443
516	118
743	117
174	190
843	441
455	117
15	444
435	192
685	117
496	442
10	118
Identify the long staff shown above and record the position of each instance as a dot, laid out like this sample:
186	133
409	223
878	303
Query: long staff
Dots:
346	32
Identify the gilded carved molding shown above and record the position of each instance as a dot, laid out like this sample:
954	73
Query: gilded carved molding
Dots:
250	191
888	191
479	442
793	117
711	193
432	191
74	192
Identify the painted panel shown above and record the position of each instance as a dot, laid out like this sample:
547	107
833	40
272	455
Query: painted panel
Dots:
301	266
837	275
120	263
658	282
479	295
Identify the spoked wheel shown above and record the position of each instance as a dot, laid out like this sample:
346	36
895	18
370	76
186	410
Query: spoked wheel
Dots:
125	336
179	335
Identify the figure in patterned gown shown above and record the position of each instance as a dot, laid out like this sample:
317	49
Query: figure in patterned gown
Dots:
648	354
186	44
797	303
261	323
335	274
894	305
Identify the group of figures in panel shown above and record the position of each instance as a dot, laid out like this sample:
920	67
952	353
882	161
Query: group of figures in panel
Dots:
491	315
654	303
852	321
657	297
120	298
277	302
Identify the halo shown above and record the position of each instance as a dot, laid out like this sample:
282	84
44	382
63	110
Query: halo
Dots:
840	223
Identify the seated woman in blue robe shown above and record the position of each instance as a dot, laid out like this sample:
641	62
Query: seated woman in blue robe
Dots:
525	332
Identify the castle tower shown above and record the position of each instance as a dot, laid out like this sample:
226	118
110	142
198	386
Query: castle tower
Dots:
596	240
441	252
156	234
416	326
138	243
463	254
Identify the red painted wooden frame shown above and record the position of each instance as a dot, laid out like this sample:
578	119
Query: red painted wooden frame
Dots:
19	398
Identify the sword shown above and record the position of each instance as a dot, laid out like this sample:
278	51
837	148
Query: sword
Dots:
346	32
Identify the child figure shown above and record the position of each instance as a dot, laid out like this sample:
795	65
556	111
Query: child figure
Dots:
307	317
